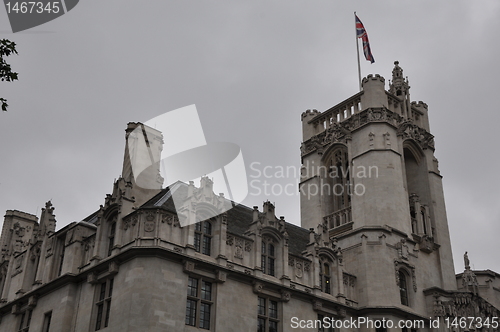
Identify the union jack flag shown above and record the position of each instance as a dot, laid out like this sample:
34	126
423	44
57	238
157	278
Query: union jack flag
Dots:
361	33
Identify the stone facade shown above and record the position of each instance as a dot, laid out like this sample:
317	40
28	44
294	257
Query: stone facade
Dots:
379	249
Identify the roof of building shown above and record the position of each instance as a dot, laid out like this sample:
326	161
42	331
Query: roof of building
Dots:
239	217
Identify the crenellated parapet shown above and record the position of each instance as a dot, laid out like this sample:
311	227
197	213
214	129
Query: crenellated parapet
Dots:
309	113
371	77
419	104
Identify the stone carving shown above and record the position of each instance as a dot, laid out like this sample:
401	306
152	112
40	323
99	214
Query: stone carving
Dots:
220	276
238	253
20	231
349	280
170	220
268	239
469	279
150	216
285	296
438	307
409	130
189	266
257	287
387	140
317	238
92	278
466	261
371	137
335	133
291	261
113	267
463	305
130	222
377	114
307	266
298	269
248	246
149	226
403	249
230	240
341	132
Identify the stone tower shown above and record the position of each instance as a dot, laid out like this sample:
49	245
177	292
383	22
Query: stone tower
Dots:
371	182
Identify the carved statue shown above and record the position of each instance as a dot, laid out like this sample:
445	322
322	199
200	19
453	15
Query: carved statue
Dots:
466	261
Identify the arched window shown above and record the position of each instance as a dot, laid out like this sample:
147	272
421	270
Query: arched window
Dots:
339	172
111	236
203	237
268	256
424	223
325	278
403	288
418	189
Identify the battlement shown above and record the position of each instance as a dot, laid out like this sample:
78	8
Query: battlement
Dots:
372	77
419	104
132	125
310	113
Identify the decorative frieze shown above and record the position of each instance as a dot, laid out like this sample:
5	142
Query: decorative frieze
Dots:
130	222
240	244
409	130
299	266
341	132
170	219
460	304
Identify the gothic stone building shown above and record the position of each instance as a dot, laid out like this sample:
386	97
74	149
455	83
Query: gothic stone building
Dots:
379	255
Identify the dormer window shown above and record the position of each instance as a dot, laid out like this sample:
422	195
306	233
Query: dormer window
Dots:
324	277
203	237
268	257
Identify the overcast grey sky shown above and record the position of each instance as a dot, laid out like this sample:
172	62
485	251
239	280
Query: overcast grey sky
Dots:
251	68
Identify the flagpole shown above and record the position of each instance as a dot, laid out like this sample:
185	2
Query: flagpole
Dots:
357	50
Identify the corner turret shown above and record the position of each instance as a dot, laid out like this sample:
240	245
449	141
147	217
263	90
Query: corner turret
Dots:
309	129
400	88
399	85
